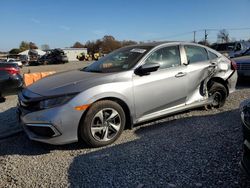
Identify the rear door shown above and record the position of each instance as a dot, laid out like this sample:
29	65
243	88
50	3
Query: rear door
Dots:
198	69
164	88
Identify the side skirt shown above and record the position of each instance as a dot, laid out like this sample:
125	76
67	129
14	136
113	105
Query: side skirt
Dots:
172	110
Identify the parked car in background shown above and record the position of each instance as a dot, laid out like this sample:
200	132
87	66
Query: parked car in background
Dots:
10	79
245	118
13	61
232	49
33	57
56	56
131	85
243	64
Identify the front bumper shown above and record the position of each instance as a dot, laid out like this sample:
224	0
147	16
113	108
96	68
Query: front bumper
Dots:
55	126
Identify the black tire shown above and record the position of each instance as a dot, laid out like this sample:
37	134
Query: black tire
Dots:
218	94
92	122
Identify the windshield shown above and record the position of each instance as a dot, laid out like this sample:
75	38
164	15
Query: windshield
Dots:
120	60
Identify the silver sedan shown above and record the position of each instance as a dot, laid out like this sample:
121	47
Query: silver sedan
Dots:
131	85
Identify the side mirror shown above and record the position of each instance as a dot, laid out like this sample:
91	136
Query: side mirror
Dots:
147	68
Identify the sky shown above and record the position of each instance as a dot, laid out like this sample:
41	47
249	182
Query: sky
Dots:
62	23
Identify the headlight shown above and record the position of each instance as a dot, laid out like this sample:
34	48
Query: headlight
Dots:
53	102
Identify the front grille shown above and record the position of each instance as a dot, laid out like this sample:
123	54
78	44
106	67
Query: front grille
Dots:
243	66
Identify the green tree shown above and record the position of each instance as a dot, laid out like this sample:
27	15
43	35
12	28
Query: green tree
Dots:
14	51
24	46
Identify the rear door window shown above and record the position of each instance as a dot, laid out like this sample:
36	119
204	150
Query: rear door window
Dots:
196	54
212	55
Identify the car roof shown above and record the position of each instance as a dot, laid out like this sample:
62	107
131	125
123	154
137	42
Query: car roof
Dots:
155	44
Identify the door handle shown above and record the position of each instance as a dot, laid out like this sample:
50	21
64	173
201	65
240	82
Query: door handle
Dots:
213	65
180	74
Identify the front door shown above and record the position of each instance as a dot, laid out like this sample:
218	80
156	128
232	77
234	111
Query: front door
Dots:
164	88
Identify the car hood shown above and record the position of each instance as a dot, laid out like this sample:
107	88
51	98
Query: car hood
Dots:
69	82
243	59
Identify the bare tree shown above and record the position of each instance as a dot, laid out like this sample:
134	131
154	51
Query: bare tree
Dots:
109	44
78	45
223	36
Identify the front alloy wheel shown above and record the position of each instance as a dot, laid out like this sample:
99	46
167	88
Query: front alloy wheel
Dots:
102	124
106	124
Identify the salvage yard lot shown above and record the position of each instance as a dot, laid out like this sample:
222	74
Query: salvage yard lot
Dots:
57	68
197	148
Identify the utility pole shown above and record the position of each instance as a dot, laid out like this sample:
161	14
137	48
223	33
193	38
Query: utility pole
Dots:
194	36
206	36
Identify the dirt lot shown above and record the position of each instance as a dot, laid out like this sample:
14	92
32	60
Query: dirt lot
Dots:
197	148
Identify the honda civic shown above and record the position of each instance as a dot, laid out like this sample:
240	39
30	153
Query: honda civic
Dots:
131	85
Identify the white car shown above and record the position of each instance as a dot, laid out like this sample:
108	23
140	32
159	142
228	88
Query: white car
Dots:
14	61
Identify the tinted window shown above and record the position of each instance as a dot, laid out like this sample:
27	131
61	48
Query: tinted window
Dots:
212	55
196	54
167	57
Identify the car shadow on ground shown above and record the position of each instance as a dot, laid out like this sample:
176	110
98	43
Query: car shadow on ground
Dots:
189	152
20	143
202	150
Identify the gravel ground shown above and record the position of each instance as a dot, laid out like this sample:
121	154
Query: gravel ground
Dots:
194	149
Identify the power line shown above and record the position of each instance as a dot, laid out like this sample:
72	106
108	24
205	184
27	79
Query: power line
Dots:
194	32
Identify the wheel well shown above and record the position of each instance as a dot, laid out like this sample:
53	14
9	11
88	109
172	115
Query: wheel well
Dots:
129	123
218	80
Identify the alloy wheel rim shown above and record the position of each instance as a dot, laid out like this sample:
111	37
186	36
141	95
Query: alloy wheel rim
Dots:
105	124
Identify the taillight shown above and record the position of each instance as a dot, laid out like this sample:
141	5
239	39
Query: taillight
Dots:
233	65
11	70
